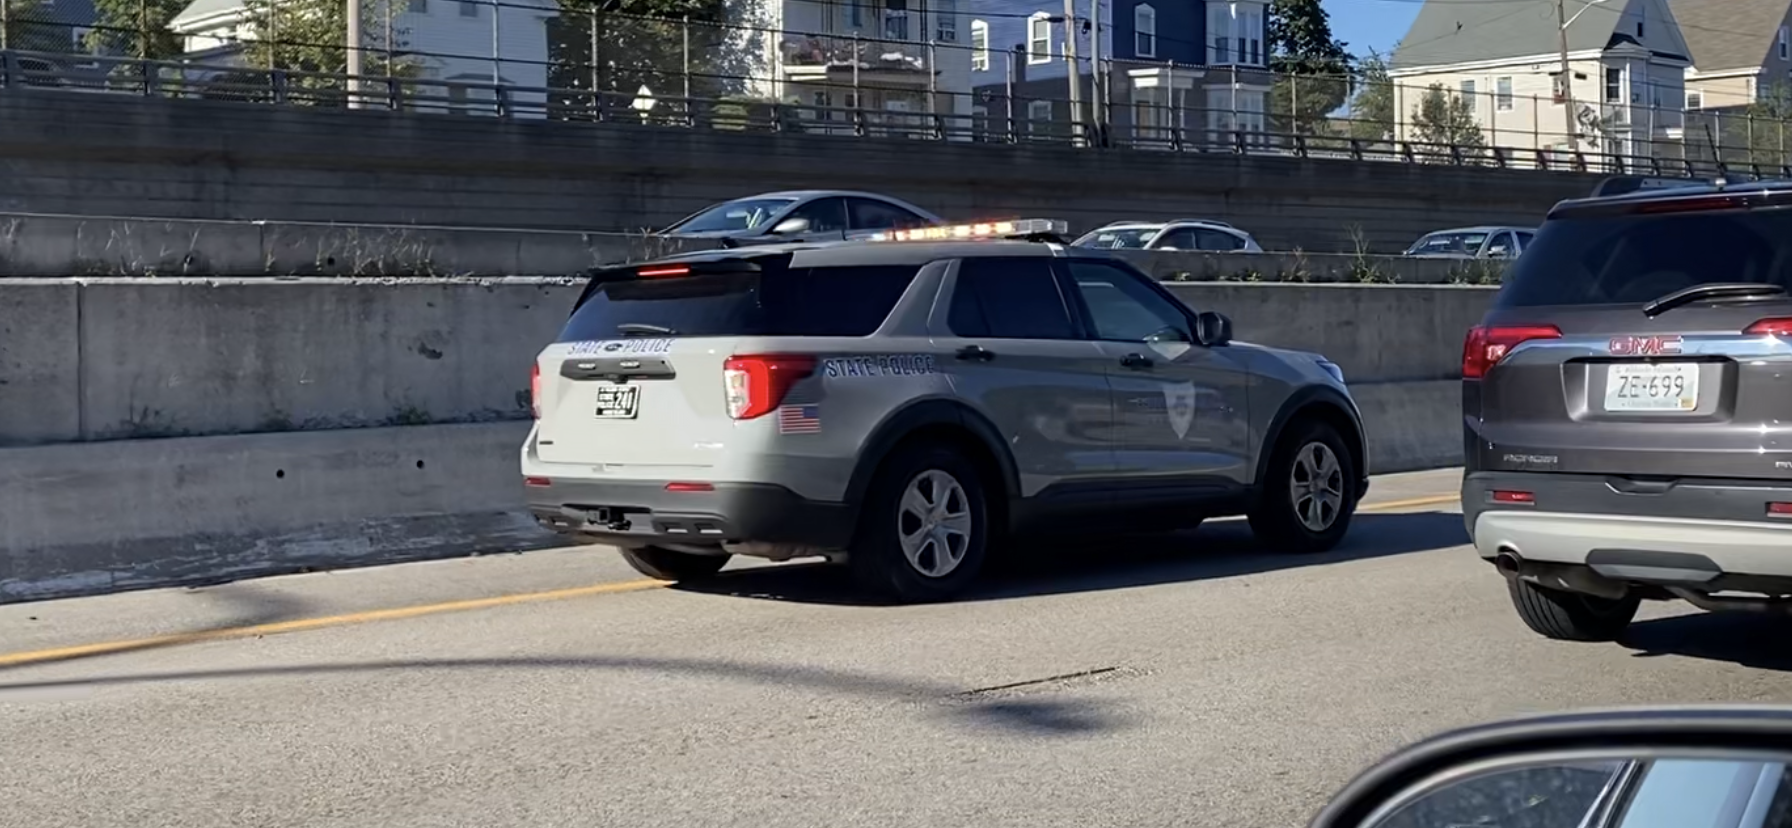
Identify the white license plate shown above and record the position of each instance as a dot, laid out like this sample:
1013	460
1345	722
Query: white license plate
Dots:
1652	387
618	402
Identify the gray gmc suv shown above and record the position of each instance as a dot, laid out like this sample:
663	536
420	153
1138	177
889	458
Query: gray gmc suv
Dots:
1627	409
904	404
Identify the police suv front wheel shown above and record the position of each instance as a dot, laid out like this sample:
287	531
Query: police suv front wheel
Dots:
1309	494
670	565
924	531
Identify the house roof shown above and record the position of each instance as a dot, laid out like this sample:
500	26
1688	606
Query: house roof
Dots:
1729	34
1454	31
200	9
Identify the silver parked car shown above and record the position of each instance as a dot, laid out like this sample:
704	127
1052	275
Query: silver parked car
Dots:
801	216
902	404
1177	234
1473	243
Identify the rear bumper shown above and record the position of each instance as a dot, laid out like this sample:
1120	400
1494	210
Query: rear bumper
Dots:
635	513
1707	535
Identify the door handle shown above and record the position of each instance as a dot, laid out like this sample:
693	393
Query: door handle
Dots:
1139	361
975	353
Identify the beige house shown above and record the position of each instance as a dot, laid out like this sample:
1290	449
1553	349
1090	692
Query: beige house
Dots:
1627	61
1741	49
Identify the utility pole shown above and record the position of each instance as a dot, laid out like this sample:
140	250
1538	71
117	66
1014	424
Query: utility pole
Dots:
1097	78
354	54
1075	73
1567	91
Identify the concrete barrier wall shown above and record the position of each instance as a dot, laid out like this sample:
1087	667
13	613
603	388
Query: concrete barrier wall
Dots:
101	246
182	431
221	160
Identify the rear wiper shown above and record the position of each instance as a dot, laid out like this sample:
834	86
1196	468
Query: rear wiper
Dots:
1706	292
638	328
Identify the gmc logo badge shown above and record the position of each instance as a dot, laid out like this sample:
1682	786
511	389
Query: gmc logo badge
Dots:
1644	345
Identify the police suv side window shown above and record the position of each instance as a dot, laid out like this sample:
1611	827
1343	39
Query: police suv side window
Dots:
1124	309
1009	299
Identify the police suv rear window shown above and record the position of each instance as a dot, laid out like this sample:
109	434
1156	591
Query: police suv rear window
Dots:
1622	259
832	301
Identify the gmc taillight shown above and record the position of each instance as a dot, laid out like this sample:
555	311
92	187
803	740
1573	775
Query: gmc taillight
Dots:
755	385
535	389
1486	345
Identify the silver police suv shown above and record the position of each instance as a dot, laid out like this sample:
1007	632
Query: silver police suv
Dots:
1627	406
906	403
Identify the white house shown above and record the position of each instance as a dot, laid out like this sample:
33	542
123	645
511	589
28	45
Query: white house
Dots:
448	41
888	58
1627	61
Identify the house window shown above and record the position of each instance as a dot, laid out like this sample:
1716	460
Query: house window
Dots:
1468	91
1230	111
1502	94
1235	33
1639	30
980	45
1039	38
418	6
1614	84
895	19
945	21
1038	113
1695	101
856	13
469	9
1785	43
1144	27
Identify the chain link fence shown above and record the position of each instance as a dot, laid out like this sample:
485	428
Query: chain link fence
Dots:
888	70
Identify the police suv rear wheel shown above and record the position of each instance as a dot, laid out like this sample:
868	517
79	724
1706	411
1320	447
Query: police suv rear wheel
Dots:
1309	494
923	534
668	565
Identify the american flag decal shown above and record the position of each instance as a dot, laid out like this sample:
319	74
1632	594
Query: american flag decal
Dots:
799	419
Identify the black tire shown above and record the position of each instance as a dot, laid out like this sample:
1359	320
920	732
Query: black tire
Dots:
669	565
1571	616
1276	520
877	559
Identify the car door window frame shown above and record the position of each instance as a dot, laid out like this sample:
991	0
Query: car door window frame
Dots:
1511	242
1236	243
852	225
1079	309
1072	302
1164	238
800	209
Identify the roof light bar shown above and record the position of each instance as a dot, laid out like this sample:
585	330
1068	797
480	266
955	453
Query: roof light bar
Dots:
980	230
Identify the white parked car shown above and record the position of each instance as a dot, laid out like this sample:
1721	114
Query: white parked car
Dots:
1177	234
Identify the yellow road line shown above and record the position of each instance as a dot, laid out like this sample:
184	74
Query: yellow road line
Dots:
1428	500
417	611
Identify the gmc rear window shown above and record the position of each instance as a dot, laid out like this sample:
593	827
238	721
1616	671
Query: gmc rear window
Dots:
1631	259
832	301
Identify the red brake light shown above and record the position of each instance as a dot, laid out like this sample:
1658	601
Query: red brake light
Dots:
535	389
684	486
1503	496
755	385
1485	346
1778	326
666	270
1692	205
1780	509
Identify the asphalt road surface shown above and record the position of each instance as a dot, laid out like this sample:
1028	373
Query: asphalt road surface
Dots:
1190	681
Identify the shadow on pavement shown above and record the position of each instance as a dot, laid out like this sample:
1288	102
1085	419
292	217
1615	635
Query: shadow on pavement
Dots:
1745	639
250	606
1218	550
1051	717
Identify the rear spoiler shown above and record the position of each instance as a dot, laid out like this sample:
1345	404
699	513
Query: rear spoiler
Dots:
1625	184
673	269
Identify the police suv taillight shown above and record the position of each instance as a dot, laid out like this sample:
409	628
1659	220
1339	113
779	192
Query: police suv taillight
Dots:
755	385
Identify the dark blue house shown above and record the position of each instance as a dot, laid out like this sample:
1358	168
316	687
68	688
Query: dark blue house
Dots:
1160	64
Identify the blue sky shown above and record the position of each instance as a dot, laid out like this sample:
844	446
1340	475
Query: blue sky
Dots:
1370	24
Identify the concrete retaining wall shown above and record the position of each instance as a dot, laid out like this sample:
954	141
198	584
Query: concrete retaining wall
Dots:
409	400
222	160
102	246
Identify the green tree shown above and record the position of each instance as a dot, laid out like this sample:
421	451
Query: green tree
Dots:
618	46
31	25
1312	67
135	28
1445	118
1372	111
312	36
